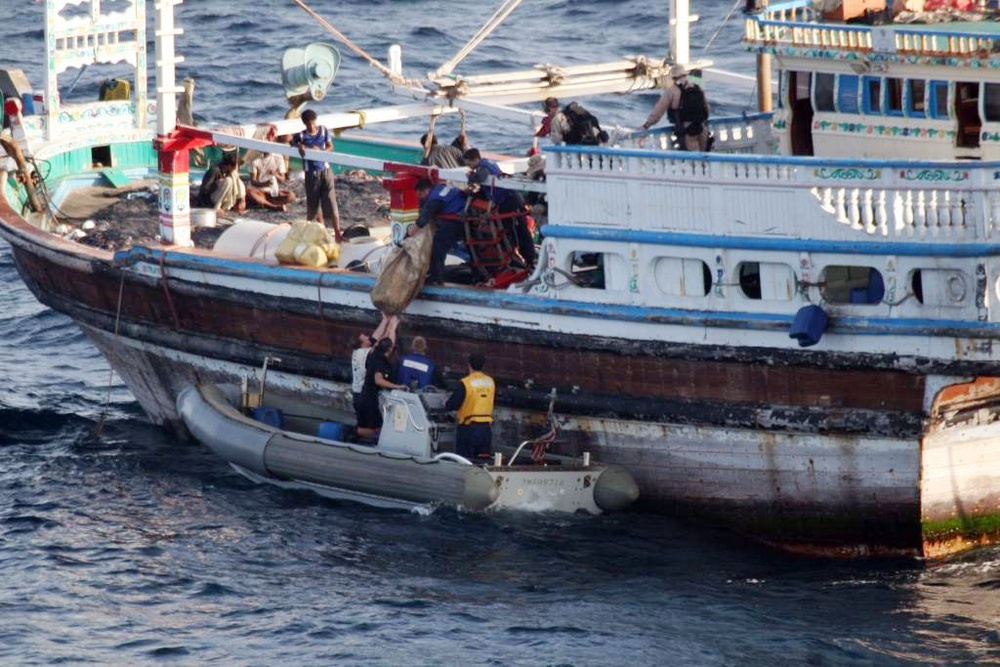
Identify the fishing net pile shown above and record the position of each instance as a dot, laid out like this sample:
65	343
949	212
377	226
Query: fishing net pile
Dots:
124	217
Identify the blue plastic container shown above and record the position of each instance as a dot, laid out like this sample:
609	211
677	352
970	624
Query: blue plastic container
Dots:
331	431
808	325
270	416
872	293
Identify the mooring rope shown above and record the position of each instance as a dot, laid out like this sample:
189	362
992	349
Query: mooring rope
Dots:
111	371
166	289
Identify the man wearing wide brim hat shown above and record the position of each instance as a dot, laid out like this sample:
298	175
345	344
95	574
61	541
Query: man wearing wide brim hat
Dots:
689	123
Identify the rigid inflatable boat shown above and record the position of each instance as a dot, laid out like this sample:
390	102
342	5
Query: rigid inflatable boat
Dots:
299	445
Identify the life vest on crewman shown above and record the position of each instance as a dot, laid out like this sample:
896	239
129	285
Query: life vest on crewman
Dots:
477	408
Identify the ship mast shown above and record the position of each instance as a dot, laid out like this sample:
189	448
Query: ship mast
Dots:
174	148
680	32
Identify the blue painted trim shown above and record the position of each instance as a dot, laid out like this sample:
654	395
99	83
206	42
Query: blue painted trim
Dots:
531	303
297	275
713	241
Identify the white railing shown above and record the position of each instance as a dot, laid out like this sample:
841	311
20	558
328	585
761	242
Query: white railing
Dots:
747	134
793	24
773	196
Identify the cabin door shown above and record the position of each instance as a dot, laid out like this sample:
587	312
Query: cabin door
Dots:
800	127
967	114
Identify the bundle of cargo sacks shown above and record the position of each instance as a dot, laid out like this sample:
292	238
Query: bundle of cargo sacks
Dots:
402	271
308	244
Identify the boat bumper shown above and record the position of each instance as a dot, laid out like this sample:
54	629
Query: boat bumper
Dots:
615	489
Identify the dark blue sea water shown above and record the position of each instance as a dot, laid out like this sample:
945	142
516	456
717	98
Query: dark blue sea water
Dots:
120	545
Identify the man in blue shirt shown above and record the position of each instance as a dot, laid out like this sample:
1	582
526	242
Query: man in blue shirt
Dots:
444	204
320	192
416	370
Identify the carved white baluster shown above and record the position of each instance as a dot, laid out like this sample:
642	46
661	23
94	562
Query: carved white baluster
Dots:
908	217
867	205
933	213
853	210
944	214
920	213
826	199
840	206
881	217
899	210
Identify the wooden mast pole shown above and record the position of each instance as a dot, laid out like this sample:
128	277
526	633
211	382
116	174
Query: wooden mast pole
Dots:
679	32
764	92
174	153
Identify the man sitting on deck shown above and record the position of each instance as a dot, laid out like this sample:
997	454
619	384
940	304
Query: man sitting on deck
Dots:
222	189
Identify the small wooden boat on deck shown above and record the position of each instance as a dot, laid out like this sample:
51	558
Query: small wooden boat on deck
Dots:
302	446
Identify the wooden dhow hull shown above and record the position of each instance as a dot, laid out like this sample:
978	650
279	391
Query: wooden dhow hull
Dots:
815	452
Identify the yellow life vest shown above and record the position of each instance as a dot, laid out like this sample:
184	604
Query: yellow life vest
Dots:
477	408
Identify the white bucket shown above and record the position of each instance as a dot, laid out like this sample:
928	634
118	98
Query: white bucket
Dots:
203	217
252	238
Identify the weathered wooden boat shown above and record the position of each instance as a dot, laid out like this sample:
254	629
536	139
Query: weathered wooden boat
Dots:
298	445
793	335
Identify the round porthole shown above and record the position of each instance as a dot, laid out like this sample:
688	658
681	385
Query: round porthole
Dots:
955	287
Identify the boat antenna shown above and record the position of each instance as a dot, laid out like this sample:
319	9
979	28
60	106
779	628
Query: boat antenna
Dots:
494	21
393	76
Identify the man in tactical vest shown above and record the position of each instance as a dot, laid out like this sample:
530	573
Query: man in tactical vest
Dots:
687	108
473	401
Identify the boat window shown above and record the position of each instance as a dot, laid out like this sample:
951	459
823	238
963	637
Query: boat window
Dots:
598	270
852	284
823	87
938	99
991	101
940	287
101	155
893	96
766	281
872	95
847	94
587	269
916	105
682	276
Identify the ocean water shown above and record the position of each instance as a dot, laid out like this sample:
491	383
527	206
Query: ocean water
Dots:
120	545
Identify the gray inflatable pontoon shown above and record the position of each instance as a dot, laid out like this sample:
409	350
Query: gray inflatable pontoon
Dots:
410	466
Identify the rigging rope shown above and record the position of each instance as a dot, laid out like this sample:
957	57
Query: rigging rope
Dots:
395	78
737	3
430	137
494	21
